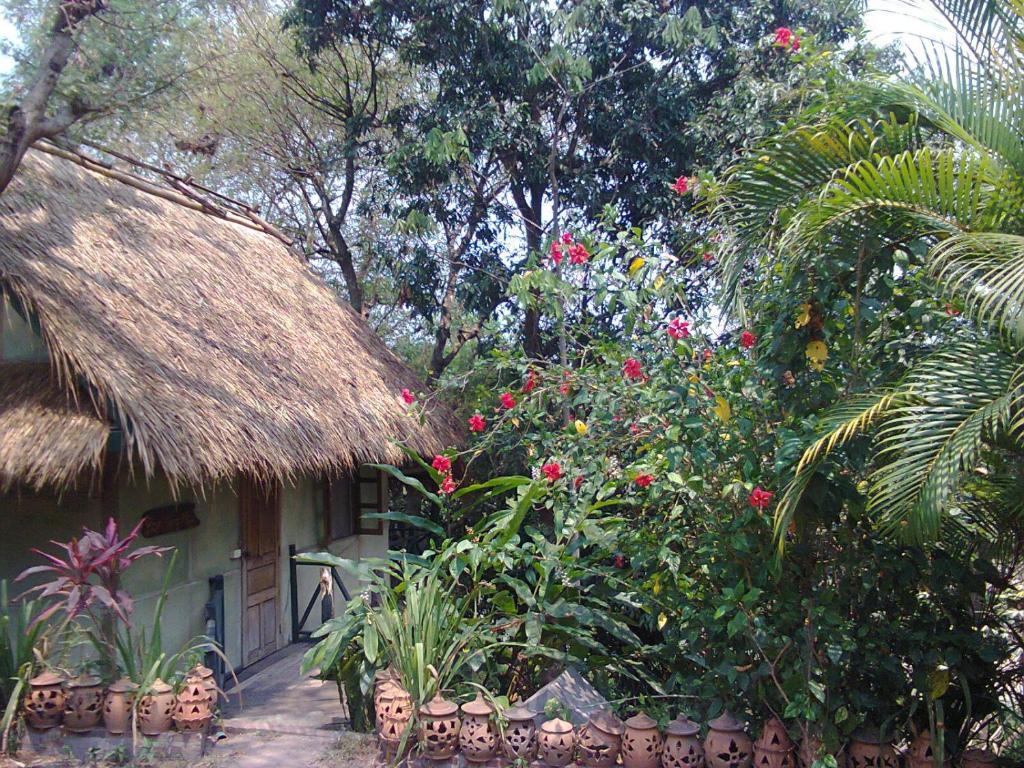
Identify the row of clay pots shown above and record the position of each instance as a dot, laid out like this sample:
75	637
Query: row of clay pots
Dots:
80	704
603	739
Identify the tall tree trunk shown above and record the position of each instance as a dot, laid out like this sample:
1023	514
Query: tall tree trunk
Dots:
27	121
531	211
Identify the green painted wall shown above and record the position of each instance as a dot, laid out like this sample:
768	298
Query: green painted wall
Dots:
18	342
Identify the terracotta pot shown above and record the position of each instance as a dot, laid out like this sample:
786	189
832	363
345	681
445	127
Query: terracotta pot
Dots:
774	748
600	740
193	712
556	743
395	713
117	706
478	737
44	703
156	709
641	742
205	674
922	753
682	745
727	744
520	737
439	728
978	758
868	750
84	705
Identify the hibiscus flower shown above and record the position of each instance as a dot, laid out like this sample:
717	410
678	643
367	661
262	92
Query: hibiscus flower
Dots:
760	498
681	185
507	401
477	423
448	486
678	328
747	339
632	369
578	254
552	471
408	396
441	463
644	480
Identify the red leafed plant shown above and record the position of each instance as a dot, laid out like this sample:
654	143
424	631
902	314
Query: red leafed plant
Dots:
87	574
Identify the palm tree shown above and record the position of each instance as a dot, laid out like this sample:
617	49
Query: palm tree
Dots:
930	166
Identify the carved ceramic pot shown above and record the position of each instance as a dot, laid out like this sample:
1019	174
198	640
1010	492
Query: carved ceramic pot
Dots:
520	737
44	704
978	758
84	705
193	712
117	706
868	750
396	712
600	740
478	737
922	752
439	728
641	742
205	674
682	745
556	743
774	748
156	709
727	744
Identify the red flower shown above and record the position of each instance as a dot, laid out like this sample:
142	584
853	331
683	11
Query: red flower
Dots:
507	401
567	238
796	44
441	463
760	498
951	310
634	429
556	252
577	482
477	423
643	481
530	383
408	396
448	485
708	256
565	387
552	471
619	561
783	36
681	185
747	339
707	355
578	253
632	369
679	328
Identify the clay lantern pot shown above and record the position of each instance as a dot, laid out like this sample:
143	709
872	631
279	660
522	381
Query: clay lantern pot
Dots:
641	742
520	737
978	758
556	743
83	707
396	714
439	728
600	740
117	706
478	738
922	753
193	712
205	674
727	744
44	704
156	709
682	745
774	749
868	750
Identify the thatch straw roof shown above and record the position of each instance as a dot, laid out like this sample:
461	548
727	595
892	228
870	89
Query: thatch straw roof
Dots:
210	344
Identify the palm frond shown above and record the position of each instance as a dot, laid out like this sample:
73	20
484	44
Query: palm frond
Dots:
990	29
969	393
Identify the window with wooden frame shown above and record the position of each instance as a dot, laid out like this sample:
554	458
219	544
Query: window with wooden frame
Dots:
348	498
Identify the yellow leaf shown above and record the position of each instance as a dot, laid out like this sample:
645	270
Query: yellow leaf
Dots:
693	378
581	427
817	354
658	282
635	265
764	159
804	315
733	363
662	620
722	409
515	421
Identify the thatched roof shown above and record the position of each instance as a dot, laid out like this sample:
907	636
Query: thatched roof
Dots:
210	344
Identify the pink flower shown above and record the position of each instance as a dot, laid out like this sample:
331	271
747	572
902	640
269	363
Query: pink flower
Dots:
747	339
681	185
760	498
679	328
632	369
783	36
555	253
552	471
530	383
567	238
643	481
578	254
448	485
477	423
565	387
634	429
441	463
408	396
619	561
796	44
507	401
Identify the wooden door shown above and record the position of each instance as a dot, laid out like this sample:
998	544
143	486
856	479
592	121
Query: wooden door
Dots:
260	518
